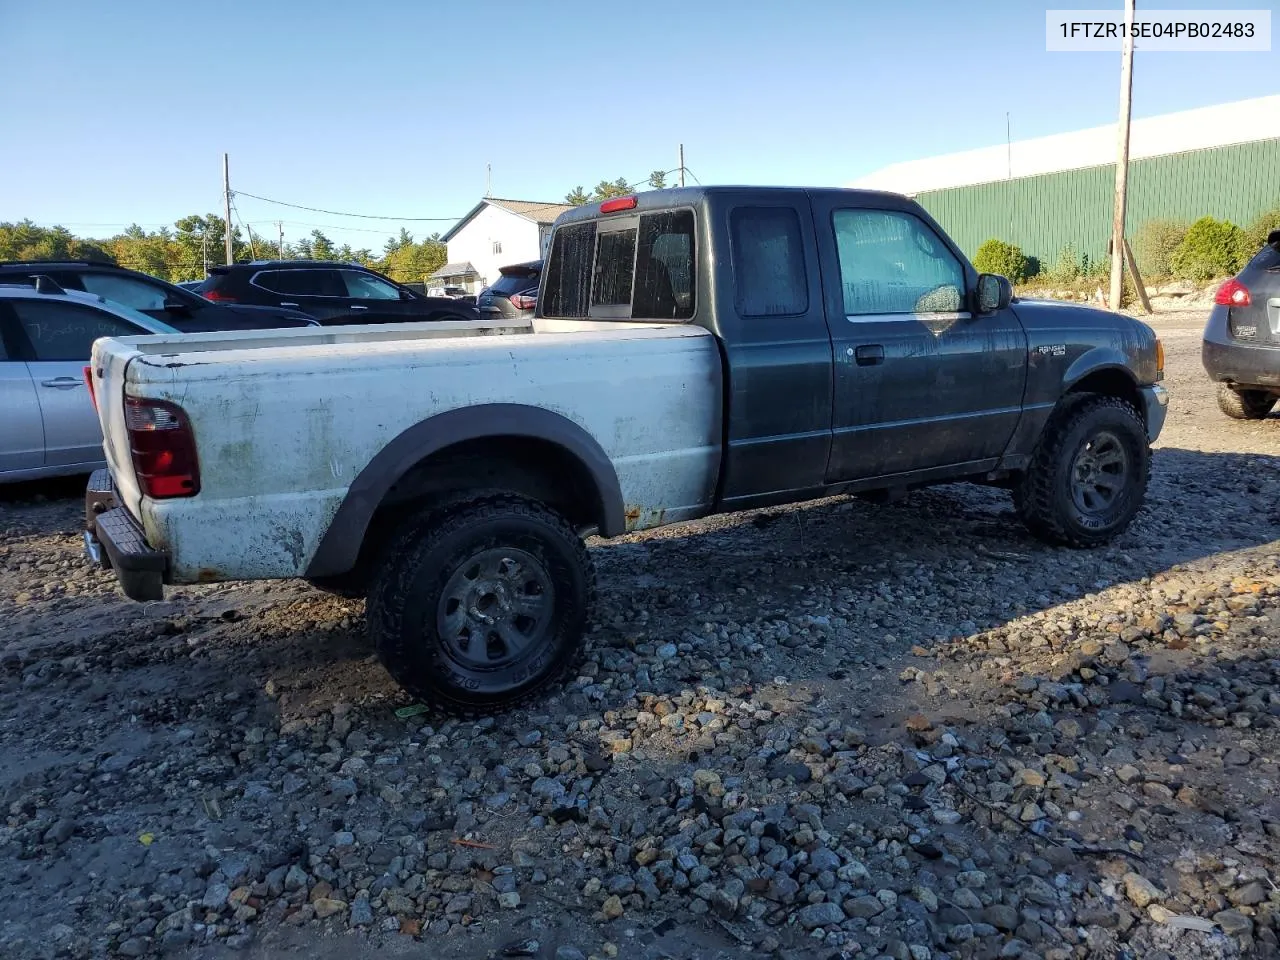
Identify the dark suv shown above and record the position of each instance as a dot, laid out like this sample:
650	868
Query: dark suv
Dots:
181	309
1241	347
514	295
333	293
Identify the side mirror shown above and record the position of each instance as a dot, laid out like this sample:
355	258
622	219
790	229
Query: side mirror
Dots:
994	292
176	306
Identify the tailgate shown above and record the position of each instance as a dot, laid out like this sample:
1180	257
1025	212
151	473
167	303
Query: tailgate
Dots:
111	359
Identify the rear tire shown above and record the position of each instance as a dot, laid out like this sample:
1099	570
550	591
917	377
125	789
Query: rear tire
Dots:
1245	404
1088	476
482	607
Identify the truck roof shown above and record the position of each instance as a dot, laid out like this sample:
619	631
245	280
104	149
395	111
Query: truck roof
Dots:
695	196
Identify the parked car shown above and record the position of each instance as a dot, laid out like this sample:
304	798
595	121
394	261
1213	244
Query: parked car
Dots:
192	285
181	309
1241	348
514	294
333	293
791	343
49	426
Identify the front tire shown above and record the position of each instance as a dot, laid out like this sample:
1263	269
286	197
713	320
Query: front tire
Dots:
1245	404
1088	477
484	606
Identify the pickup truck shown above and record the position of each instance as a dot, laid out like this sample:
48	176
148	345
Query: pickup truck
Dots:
693	351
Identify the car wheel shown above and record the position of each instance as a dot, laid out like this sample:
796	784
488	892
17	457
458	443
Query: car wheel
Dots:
1088	477
1245	404
483	607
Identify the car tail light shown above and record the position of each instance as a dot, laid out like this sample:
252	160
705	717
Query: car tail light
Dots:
618	203
522	301
217	297
1233	293
88	382
163	448
1159	359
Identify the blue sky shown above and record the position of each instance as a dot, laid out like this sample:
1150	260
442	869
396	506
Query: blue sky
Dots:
119	112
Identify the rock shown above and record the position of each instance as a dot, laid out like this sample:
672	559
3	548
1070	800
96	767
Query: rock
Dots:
327	907
509	901
569	952
1248	896
133	947
1233	923
215	896
1236	757
820	915
864	907
296	878
1001	916
361	913
1141	891
612	908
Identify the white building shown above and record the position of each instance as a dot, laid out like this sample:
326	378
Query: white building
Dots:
495	234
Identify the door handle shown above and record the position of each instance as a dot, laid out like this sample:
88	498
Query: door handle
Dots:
283	304
356	306
868	355
62	383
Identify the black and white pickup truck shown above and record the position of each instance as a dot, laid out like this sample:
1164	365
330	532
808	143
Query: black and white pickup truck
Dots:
694	351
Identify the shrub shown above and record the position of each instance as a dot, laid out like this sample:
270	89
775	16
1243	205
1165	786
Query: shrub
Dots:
1211	248
1255	235
1006	259
1154	243
1066	268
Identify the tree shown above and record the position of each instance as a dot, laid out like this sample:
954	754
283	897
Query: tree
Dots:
658	179
576	197
605	190
1005	259
321	246
1211	248
413	262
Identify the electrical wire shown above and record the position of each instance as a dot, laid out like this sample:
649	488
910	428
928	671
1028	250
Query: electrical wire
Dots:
339	213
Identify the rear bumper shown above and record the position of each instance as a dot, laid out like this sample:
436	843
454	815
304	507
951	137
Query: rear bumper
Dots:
113	540
1156	401
1246	364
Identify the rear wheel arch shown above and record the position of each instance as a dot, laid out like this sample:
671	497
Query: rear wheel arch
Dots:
499	447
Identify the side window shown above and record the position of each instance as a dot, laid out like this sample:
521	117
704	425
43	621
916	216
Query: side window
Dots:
569	271
125	290
892	263
365	286
302	283
57	330
768	262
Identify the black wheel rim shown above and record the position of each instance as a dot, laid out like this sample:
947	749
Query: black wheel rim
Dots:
495	608
1099	473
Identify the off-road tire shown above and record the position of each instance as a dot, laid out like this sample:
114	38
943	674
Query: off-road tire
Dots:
1245	404
1044	497
407	591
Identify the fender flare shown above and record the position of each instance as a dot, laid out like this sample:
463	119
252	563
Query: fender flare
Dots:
1097	360
339	548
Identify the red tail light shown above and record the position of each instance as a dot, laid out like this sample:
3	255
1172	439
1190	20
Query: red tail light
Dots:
163	448
88	382
217	297
523	302
1233	293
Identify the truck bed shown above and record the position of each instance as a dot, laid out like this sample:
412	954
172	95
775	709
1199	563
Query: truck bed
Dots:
284	421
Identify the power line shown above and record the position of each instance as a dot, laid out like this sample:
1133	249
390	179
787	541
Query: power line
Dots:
339	213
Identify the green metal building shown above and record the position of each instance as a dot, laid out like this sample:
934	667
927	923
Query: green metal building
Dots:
1047	193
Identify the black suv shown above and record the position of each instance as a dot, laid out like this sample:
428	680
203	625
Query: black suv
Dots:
1241	348
181	309
514	295
333	293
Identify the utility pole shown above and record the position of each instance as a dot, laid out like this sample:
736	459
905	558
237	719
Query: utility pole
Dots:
280	234
204	250
682	164
226	203
1122	162
488	179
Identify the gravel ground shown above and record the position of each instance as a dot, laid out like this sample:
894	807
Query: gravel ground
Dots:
834	730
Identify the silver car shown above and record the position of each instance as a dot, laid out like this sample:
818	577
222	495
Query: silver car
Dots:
50	426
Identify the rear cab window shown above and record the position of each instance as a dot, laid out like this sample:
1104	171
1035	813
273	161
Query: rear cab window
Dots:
623	268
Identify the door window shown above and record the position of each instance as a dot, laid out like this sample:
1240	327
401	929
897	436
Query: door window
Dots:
768	262
892	263
301	283
59	331
125	290
365	286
